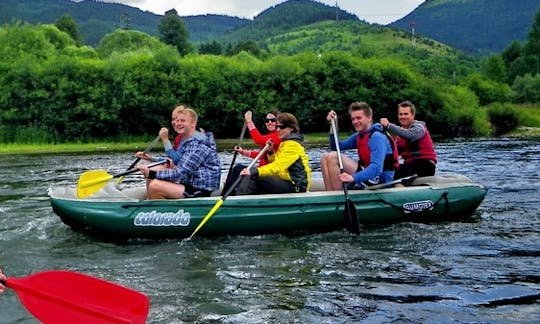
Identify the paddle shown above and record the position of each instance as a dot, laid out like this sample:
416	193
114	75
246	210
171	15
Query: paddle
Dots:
350	215
93	181
60	296
148	148
236	153
403	181
233	186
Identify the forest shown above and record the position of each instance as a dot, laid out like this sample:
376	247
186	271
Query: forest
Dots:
53	89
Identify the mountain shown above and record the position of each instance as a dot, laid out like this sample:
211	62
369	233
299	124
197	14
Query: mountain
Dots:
96	19
286	16
474	26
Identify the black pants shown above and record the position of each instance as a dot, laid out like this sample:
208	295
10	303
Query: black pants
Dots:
231	178
192	192
264	185
422	168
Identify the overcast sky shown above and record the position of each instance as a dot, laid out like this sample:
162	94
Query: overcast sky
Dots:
373	11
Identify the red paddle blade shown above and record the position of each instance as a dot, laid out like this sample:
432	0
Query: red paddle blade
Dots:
66	296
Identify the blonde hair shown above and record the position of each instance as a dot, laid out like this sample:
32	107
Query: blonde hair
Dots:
185	110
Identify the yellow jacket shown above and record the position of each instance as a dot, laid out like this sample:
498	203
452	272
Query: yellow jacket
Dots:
289	163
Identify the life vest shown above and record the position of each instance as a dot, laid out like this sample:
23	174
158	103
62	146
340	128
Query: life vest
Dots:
391	161
177	141
419	150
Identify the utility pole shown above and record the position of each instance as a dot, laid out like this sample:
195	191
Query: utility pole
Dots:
337	12
413	37
124	22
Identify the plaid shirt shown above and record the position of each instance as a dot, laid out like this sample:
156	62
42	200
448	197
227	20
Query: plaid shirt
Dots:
198	165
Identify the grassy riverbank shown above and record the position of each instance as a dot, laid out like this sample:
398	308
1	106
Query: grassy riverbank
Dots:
223	144
89	148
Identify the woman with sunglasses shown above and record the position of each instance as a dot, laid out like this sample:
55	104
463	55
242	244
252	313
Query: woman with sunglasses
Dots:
288	168
259	139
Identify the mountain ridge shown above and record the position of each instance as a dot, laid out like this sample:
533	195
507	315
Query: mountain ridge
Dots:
474	26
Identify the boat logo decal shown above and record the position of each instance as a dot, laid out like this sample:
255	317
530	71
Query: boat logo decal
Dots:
418	206
155	218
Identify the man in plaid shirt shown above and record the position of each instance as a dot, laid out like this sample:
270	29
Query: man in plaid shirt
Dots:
198	171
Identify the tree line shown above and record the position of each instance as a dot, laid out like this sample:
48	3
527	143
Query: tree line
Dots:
53	90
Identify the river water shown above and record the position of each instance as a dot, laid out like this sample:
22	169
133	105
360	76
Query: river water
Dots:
485	269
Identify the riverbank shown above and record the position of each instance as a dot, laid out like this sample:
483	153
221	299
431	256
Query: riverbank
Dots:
90	148
223	144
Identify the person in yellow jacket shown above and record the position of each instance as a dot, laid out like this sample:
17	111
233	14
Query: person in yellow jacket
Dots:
288	169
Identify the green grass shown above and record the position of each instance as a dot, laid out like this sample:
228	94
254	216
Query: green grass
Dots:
223	144
15	148
532	129
350	36
529	115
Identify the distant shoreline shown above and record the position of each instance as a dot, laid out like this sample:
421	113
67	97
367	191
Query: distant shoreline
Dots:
223	144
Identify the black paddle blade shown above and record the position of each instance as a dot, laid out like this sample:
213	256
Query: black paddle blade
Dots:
351	217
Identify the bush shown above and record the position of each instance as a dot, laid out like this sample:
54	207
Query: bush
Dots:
503	118
461	115
526	89
488	91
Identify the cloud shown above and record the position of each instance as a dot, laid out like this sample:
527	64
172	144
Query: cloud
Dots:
379	11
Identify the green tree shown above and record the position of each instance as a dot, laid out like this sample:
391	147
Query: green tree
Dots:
67	24
213	48
527	88
172	31
247	46
495	69
523	59
488	91
532	47
511	53
125	41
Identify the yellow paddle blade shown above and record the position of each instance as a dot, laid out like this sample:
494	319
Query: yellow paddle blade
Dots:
207	217
91	182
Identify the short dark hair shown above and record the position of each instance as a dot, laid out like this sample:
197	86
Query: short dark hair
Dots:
289	120
360	105
409	104
274	112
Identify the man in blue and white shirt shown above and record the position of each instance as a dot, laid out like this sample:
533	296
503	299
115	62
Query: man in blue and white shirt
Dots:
198	171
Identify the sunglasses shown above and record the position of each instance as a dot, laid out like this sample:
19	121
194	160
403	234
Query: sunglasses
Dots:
281	126
270	120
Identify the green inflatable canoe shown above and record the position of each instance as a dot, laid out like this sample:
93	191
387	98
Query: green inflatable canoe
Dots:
114	213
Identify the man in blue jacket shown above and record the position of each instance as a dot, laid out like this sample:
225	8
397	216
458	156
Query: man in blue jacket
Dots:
376	153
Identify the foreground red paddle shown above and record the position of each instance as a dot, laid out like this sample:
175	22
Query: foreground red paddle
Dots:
66	296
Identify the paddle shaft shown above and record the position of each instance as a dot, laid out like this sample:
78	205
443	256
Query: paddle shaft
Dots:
351	216
110	177
228	192
340	160
236	152
148	148
135	169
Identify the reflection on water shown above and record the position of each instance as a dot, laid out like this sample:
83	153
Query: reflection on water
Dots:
485	269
